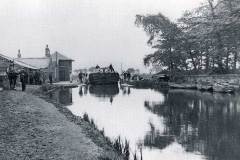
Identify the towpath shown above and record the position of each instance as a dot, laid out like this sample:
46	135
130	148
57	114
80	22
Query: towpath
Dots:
31	128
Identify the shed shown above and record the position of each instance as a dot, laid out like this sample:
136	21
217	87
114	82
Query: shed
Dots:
61	66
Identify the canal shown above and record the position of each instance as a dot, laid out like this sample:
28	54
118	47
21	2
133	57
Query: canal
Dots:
167	124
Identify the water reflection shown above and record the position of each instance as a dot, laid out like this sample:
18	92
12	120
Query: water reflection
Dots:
125	90
154	138
63	96
175	124
105	91
83	90
202	122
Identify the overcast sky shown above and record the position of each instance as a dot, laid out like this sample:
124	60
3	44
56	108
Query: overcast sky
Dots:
89	31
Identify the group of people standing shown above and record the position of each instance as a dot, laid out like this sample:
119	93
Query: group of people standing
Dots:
105	69
35	77
83	77
126	76
12	75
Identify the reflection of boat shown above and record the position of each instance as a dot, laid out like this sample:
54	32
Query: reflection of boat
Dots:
103	78
104	90
223	88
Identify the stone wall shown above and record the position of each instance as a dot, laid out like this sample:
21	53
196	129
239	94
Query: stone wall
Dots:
211	79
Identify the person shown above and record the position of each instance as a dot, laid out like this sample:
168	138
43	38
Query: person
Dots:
15	76
128	76
71	77
40	77
44	77
12	76
97	67
80	91
31	77
86	78
80	76
23	75
111	68
124	76
37	77
26	78
50	76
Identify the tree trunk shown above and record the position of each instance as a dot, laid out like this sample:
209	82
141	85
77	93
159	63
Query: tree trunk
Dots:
217	36
201	62
235	59
171	61
227	61
193	61
207	61
219	51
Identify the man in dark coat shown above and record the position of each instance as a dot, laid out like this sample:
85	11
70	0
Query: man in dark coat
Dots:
80	77
12	76
111	68
50	76
31	77
97	67
23	75
15	76
37	77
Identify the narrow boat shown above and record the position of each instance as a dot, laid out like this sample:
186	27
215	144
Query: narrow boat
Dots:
205	87
182	86
223	88
107	78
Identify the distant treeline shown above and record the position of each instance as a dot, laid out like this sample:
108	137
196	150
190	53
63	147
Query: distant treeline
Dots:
203	40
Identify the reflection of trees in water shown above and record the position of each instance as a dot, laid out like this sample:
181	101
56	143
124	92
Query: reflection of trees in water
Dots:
154	139
203	122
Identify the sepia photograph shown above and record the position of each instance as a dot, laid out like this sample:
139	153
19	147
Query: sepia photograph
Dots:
120	80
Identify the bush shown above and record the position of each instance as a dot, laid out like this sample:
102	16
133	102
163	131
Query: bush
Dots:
85	117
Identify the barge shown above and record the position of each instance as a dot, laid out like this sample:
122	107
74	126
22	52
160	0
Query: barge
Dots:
98	78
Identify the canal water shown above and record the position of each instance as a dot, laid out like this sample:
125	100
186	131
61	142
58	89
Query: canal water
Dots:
167	125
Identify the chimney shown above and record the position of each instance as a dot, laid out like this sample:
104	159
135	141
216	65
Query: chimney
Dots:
19	54
47	52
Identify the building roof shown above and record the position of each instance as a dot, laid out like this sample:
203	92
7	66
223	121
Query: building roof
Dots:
22	64
25	65
6	57
59	56
36	63
39	63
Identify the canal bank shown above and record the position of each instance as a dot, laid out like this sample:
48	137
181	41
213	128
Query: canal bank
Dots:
32	128
220	83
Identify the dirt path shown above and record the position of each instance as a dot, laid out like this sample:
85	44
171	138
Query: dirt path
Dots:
31	128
